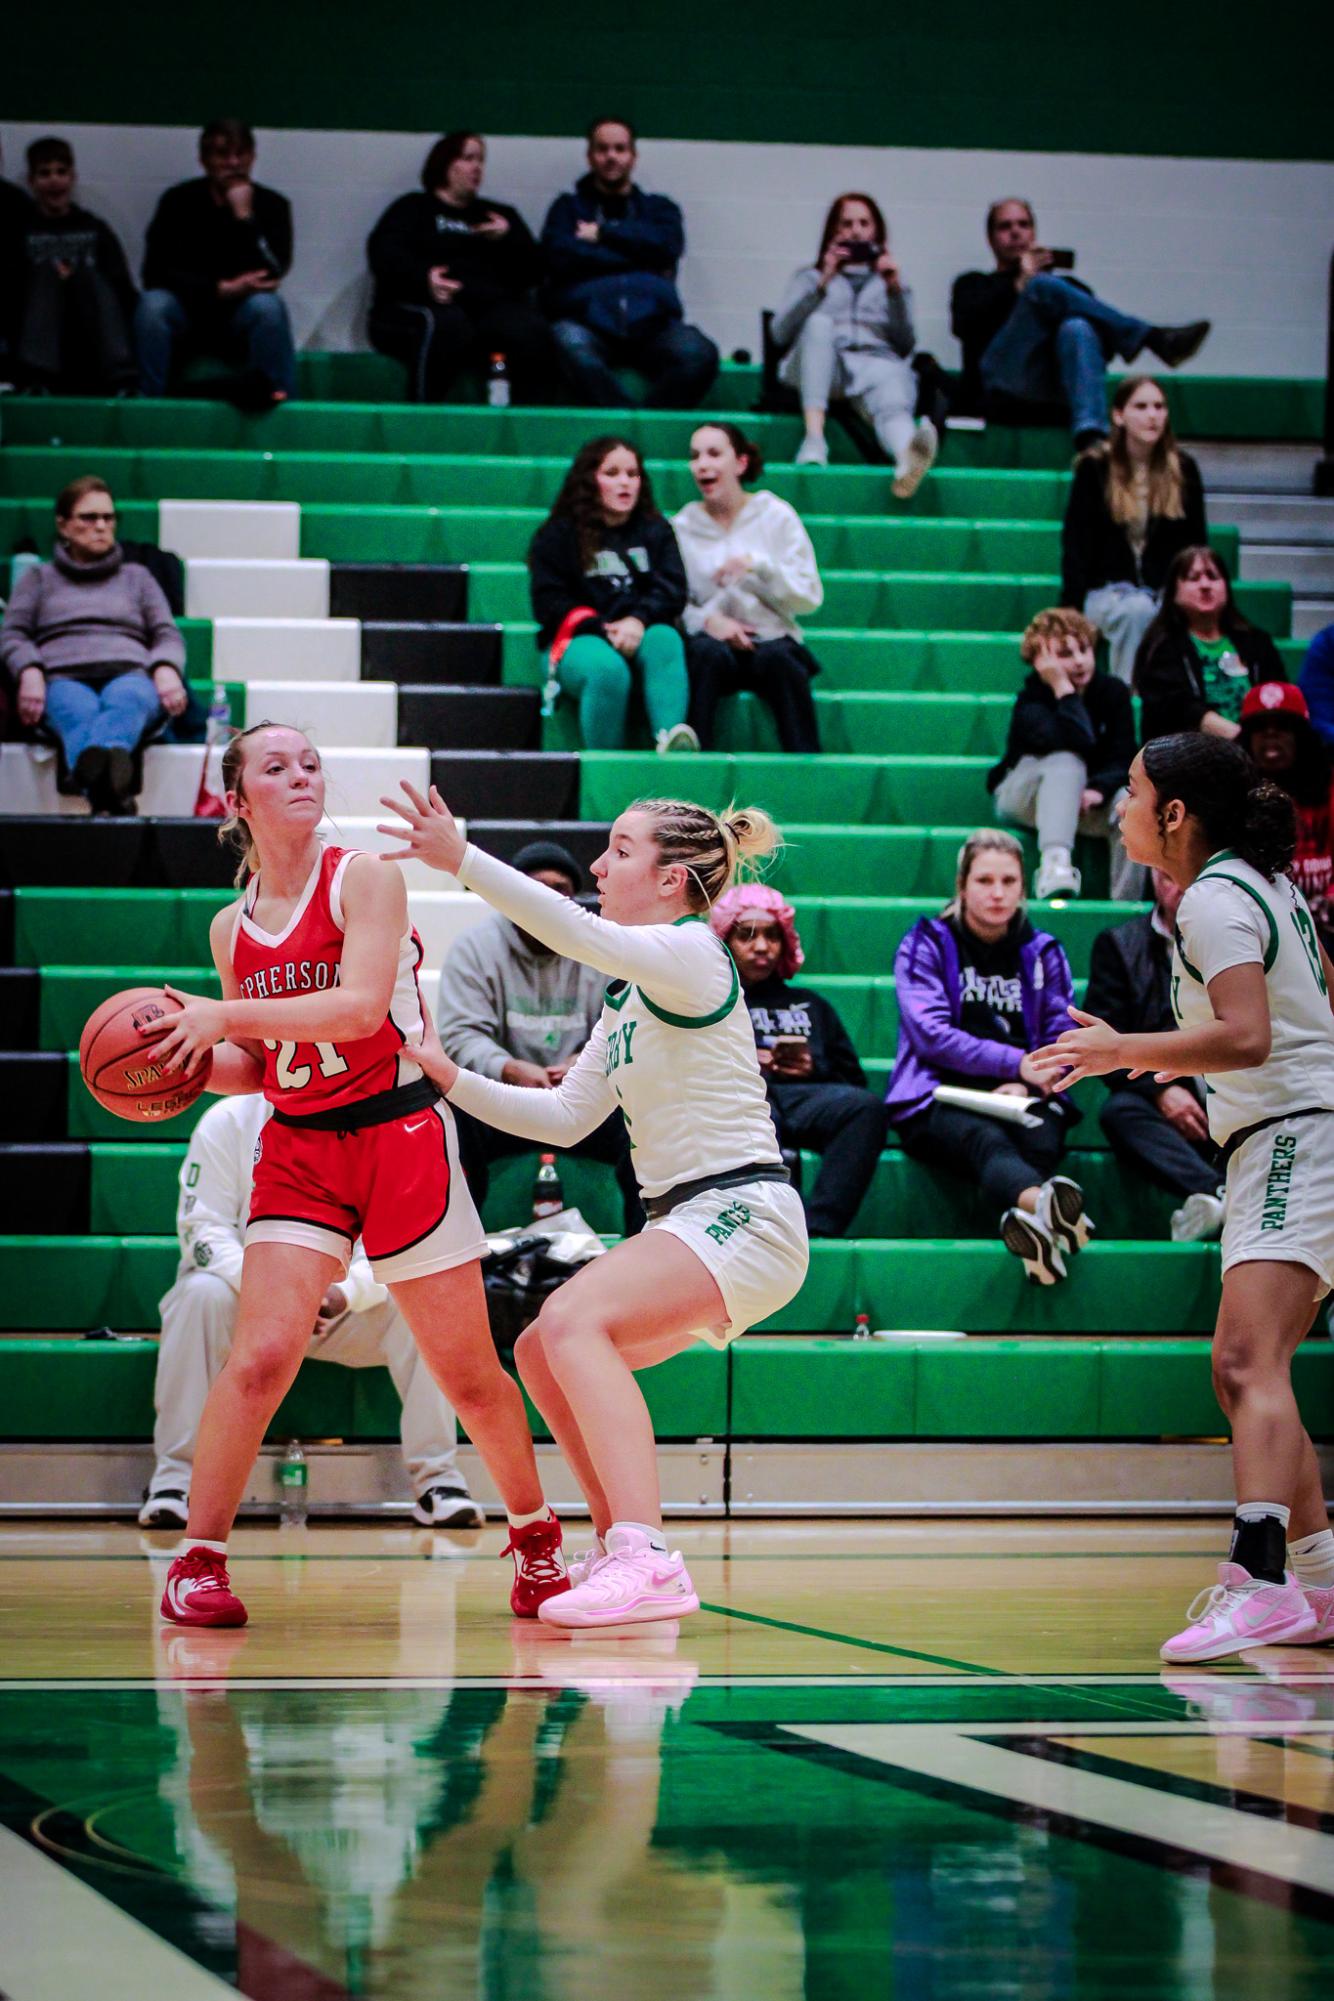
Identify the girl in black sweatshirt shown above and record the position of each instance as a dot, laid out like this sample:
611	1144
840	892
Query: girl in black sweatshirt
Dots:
608	589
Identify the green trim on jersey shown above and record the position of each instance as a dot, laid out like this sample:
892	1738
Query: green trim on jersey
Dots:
690	917
1194	971
616	1000
698	1020
1209	874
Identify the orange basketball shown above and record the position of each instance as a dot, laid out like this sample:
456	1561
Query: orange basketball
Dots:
118	1063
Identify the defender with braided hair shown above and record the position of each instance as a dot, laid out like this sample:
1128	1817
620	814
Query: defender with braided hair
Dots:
726	1241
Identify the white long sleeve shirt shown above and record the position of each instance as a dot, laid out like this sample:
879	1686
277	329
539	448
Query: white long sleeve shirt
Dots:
674	1047
782	583
214	1201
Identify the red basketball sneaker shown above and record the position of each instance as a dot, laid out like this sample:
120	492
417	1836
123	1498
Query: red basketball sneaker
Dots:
539	1566
199	1591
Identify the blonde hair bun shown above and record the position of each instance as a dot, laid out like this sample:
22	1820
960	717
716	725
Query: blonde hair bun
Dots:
752	834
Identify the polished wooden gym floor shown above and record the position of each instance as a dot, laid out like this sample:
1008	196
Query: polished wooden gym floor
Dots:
882	1763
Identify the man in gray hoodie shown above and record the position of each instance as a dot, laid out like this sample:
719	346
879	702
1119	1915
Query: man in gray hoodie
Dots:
513	1010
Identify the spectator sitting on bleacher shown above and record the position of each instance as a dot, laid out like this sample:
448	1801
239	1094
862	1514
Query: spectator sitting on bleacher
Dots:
97	657
846	327
1068	753
358	1325
1317	682
751	569
453	277
217	250
608	588
978	990
1199	656
1036	345
612	252
513	1010
816	1086
1158	1130
1134	503
75	298
1276	729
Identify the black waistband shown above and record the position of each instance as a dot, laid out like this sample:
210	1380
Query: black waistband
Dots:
374	1111
658	1206
1239	1139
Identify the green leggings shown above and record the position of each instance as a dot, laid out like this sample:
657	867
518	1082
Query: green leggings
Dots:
598	677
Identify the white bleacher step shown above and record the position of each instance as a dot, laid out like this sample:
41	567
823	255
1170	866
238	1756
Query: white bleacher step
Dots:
270	529
331	713
357	831
442	917
248	587
355	779
287	649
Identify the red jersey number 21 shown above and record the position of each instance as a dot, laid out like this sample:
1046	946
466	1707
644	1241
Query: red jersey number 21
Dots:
296	1079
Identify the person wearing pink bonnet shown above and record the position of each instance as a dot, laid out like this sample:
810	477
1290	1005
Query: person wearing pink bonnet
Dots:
817	1090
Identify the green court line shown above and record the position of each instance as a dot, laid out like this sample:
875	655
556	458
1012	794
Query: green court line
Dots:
850	1640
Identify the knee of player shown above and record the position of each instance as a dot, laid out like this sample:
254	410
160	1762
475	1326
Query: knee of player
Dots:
558	1325
264	1366
528	1358
1236	1366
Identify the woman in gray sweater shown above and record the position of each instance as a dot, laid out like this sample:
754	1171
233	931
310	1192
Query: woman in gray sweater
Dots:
846	325
96	655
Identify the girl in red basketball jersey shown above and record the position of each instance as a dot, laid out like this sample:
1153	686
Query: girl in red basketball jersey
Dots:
321	1010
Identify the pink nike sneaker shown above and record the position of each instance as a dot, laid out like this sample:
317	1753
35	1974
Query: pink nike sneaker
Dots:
633	1582
581	1567
199	1592
1241	1611
1320	1598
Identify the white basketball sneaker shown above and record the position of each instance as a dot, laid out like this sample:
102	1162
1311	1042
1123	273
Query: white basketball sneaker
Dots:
632	1583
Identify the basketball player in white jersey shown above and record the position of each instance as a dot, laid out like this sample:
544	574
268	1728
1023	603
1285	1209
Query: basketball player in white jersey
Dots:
726	1241
1251	996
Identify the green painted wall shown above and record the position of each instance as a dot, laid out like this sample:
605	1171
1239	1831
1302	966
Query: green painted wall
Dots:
1226	80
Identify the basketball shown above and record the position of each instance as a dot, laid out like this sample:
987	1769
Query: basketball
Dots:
118	1064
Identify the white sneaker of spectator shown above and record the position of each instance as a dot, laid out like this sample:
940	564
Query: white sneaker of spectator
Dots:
1056	876
1199	1220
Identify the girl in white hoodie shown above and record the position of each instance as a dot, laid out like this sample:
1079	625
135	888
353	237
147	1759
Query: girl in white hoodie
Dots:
750	569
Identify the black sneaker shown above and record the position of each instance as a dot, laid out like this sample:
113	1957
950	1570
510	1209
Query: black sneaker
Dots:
168	1508
1173	345
448	1508
1063	1213
1029	1240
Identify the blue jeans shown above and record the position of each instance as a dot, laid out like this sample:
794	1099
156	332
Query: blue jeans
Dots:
679	361
257	330
112	715
1056	345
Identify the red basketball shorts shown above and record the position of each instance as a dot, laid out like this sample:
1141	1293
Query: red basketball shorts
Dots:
398	1186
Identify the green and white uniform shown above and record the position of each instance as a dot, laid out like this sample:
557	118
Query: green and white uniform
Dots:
1280	1177
675	1050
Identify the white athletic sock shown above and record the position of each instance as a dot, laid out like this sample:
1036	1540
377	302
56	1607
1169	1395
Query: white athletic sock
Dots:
1255	1511
200	1542
657	1540
1313	1559
543	1514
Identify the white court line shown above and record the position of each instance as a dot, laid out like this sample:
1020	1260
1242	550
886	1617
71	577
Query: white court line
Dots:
93	1684
1274	1848
58	1938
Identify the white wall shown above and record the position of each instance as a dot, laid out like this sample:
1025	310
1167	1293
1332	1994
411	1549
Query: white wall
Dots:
1244	243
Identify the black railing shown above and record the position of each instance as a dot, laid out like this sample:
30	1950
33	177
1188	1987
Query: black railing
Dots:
1324	466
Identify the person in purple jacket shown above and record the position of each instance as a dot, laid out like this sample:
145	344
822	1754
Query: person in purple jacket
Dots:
978	990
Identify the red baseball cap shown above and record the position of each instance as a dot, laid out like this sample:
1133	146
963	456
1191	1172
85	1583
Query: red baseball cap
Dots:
1274	698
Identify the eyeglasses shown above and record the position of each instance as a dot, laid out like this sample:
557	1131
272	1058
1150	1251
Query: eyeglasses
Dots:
90	518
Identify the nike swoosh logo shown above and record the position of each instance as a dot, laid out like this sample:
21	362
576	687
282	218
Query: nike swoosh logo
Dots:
1254	1615
417	1128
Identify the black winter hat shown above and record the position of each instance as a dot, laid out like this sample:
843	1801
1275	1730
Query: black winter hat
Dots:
549	854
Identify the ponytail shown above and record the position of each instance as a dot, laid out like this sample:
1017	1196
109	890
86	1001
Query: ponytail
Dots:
1221	789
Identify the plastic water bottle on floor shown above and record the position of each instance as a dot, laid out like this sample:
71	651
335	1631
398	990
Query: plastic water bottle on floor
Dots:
292	1488
548	1195
498	383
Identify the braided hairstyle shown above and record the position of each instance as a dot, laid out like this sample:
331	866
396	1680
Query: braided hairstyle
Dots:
715	849
1221	789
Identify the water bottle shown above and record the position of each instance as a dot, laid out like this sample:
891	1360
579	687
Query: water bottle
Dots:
861	1327
498	383
550	695
219	716
292	1498
210	800
548	1195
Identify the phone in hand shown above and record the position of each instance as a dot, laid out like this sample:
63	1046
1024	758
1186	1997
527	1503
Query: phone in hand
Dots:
1062	260
789	1045
860	253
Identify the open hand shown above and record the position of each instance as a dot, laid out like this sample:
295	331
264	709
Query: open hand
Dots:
32	696
190	1034
1183	1111
1090	1050
431	832
170	689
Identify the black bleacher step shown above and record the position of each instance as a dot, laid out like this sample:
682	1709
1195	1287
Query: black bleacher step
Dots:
585	839
470	718
20	1006
6	927
399	591
435	651
508	783
47	1189
49	850
32	1096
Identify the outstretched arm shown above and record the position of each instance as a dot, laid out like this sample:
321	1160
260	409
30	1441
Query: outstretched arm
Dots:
577	1106
1238	1038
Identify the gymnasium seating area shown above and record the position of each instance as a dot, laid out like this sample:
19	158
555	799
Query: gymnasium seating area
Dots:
356	568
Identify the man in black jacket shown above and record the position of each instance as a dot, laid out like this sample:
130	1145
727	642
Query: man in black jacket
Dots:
1156	1129
612	253
817	1089
1068	754
1036	345
218	248
73	294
